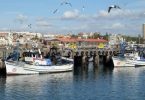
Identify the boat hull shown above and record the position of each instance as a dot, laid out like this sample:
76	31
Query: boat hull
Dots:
139	63
50	69
122	62
25	69
17	69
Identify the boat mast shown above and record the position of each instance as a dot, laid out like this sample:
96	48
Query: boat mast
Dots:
17	50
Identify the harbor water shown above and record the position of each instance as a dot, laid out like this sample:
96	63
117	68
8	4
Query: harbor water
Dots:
92	84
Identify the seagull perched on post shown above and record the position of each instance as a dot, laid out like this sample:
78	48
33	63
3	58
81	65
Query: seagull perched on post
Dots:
113	6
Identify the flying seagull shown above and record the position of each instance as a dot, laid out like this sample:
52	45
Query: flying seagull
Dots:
83	7
61	4
55	11
29	25
113	6
66	3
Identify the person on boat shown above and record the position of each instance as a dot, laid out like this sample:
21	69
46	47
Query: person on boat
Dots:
48	55
58	58
15	56
9	56
53	58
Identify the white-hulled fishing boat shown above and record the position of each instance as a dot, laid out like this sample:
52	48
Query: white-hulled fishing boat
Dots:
45	66
49	69
134	59
33	64
37	66
139	61
122	62
17	68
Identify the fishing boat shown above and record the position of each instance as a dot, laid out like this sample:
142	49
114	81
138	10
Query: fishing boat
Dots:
46	66
132	59
32	64
139	61
38	67
17	68
122	62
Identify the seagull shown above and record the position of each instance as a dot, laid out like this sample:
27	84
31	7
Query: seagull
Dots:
29	25
83	7
55	11
66	3
113	6
61	4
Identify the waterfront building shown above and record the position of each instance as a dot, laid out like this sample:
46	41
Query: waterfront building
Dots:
48	36
68	42
78	43
6	38
97	43
114	40
75	43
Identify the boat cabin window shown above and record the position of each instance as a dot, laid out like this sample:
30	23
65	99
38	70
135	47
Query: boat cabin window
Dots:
31	54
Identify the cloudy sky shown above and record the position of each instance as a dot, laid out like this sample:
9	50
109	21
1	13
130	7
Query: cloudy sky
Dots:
49	16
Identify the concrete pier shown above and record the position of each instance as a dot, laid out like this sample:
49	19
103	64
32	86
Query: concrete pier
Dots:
82	59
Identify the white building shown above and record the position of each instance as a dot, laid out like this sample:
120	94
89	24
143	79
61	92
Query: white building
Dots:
6	38
49	36
115	39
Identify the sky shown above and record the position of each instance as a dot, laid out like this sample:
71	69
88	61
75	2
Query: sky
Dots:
82	16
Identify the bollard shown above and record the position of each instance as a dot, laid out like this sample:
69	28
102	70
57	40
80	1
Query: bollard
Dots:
96	59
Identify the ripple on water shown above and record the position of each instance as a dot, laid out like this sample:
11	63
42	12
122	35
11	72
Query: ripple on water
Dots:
119	84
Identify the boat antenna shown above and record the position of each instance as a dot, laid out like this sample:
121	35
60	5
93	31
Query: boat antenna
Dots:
17	50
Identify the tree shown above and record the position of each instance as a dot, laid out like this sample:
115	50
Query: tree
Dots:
106	36
74	36
35	38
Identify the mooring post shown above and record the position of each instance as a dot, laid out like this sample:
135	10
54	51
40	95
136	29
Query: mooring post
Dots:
107	56
84	60
96	59
2	68
77	60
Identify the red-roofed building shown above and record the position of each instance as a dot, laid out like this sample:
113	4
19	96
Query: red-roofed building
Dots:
76	43
68	40
98	43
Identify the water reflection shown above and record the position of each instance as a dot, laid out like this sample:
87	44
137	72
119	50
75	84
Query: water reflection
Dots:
84	83
28	86
2	86
92	72
130	81
85	72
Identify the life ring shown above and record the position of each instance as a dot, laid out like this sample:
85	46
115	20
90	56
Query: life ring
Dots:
36	63
14	70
